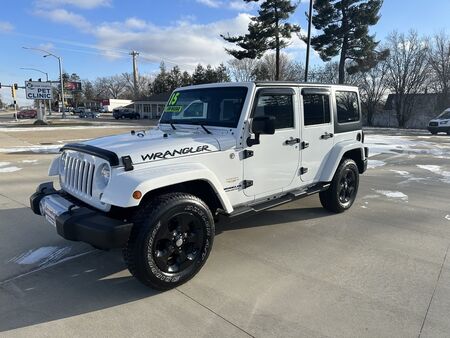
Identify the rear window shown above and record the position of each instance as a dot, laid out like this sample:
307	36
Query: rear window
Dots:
347	107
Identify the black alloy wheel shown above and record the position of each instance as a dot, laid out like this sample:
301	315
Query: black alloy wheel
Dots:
171	239
343	189
178	242
347	186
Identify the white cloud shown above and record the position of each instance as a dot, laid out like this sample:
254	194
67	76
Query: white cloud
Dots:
84	4
135	23
184	44
65	17
211	3
47	46
6	26
239	5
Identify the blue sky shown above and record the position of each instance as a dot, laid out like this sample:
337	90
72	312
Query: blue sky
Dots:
94	36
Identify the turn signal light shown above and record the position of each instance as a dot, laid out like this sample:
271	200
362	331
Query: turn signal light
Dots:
137	195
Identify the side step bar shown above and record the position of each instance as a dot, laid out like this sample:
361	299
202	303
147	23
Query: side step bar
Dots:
288	197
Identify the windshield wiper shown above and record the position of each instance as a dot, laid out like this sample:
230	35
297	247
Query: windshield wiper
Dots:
173	127
204	128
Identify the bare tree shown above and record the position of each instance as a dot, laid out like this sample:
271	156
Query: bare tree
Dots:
407	71
373	88
289	70
439	59
143	84
242	70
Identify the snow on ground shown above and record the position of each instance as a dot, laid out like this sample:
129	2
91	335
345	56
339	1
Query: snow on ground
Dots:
401	173
22	129
43	149
375	164
393	194
41	256
9	169
4	164
385	144
447	217
29	161
436	169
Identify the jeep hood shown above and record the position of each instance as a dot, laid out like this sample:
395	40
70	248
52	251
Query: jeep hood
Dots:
156	145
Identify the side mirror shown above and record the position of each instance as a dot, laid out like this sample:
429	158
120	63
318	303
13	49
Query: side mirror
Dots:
261	125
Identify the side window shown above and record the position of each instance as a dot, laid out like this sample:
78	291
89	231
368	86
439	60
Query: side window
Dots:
316	109
195	109
278	105
347	106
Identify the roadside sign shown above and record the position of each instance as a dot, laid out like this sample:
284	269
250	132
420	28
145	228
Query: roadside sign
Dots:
36	90
72	86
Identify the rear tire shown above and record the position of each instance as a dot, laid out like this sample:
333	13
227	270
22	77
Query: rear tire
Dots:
343	189
170	241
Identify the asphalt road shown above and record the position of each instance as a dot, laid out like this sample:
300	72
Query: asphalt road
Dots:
378	270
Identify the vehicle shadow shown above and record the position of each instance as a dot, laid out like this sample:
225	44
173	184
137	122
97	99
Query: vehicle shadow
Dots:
99	280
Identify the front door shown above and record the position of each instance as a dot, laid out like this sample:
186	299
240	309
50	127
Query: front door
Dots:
317	132
275	160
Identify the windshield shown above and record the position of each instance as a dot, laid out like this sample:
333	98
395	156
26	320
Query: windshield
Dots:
445	115
220	107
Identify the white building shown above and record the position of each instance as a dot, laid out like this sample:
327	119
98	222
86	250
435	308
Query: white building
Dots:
151	107
110	104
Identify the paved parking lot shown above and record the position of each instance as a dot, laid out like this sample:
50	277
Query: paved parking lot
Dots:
379	270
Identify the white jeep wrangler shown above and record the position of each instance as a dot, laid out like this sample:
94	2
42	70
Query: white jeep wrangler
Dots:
219	149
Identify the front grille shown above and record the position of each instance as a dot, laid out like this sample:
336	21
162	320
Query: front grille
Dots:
79	175
434	124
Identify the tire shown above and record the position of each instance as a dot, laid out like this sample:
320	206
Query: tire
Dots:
170	241
137	117
342	192
433	132
448	133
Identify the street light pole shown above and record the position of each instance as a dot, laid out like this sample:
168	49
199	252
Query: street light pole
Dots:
60	75
308	47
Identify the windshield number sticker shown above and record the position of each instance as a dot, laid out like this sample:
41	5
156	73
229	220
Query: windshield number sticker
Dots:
173	109
173	99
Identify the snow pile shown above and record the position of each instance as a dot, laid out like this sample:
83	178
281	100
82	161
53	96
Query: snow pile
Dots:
9	169
42	256
436	170
374	164
393	194
385	144
45	149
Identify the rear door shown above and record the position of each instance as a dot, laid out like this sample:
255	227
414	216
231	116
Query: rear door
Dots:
317	131
274	162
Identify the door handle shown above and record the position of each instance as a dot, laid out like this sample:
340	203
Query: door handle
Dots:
326	136
292	141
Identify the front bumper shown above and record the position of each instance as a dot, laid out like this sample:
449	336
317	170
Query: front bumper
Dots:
439	129
80	223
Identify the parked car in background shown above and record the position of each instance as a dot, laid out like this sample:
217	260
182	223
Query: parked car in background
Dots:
125	113
87	113
27	114
79	110
440	123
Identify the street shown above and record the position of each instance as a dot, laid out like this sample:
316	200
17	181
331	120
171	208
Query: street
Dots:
379	270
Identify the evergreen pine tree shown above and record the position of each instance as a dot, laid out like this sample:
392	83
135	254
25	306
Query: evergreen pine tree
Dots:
267	31
344	26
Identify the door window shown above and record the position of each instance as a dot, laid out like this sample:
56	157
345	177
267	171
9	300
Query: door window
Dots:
347	106
316	109
278	105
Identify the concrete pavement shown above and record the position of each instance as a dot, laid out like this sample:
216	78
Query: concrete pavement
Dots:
380	270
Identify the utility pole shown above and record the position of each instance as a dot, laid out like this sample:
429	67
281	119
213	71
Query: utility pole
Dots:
134	54
308	47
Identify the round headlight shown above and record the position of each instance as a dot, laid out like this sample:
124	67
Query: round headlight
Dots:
105	173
